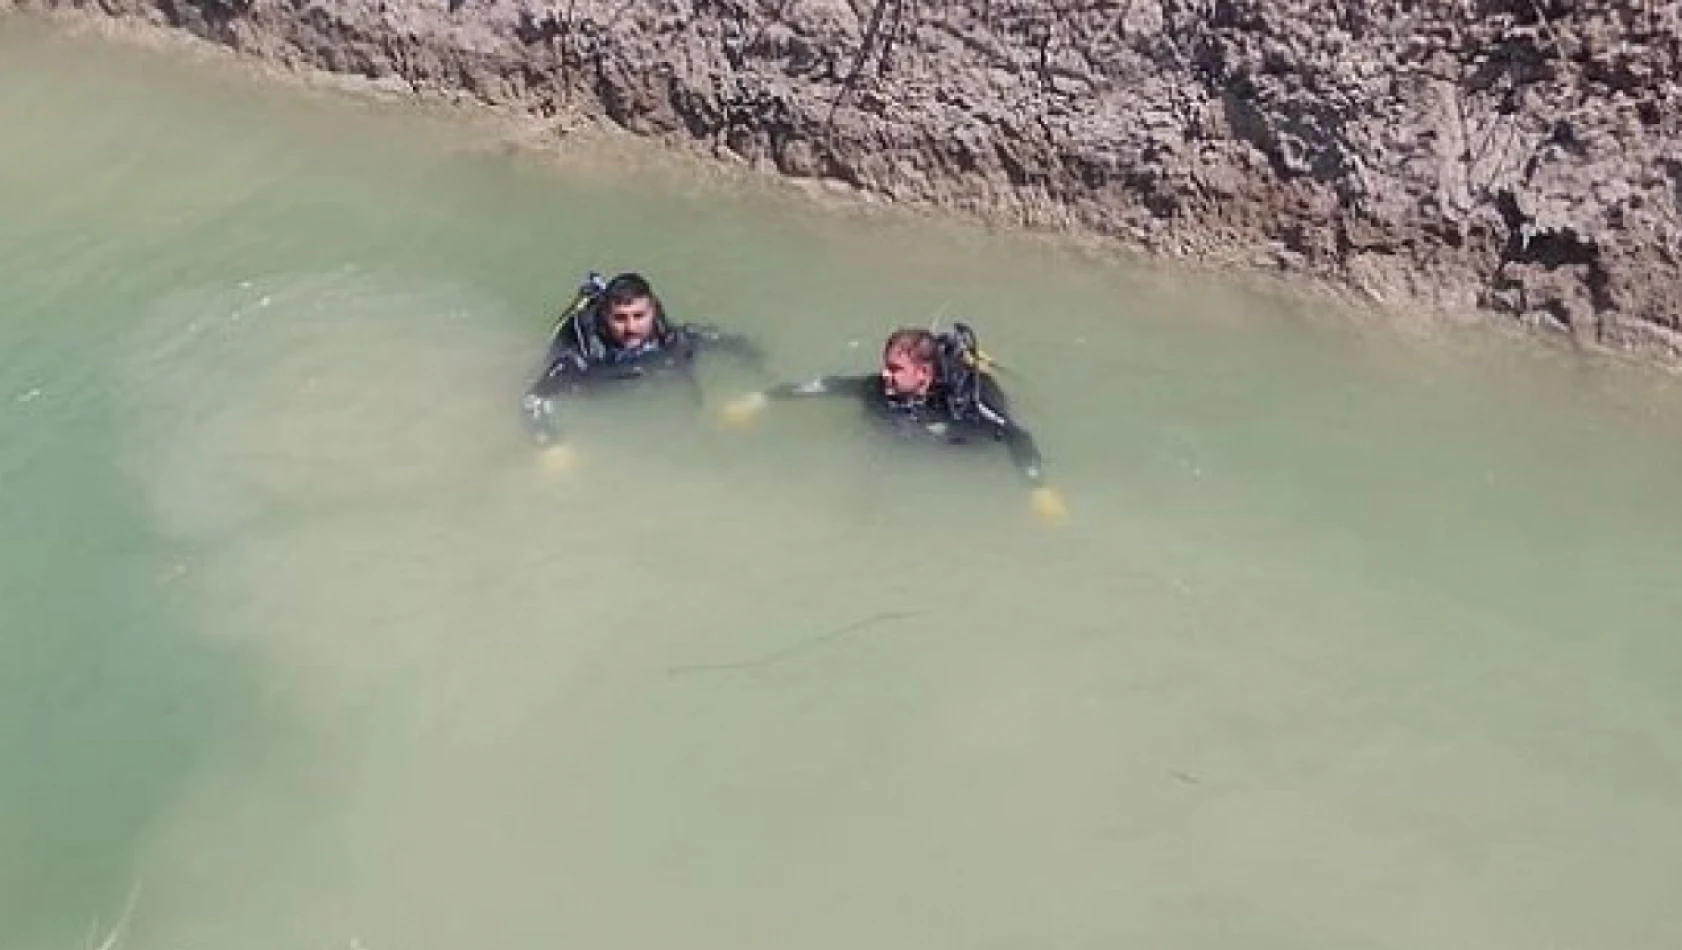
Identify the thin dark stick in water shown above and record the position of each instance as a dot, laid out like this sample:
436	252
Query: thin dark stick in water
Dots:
793	649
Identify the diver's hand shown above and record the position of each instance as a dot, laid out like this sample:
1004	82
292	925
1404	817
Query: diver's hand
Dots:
558	459
1048	505
740	412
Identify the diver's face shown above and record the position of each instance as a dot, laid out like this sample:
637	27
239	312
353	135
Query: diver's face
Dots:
903	376
630	323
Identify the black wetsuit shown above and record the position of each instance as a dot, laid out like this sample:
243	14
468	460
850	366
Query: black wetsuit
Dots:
582	357
941	414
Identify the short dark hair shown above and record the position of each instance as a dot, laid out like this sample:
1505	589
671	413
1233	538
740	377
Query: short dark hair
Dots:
627	287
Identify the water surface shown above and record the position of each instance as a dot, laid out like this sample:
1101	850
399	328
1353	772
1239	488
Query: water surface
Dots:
1357	638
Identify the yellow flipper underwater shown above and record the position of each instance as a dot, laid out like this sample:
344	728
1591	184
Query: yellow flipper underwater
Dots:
557	460
739	413
1048	504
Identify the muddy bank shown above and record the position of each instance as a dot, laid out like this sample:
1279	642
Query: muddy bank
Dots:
1519	157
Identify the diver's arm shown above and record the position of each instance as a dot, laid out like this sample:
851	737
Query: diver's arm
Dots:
692	383
564	371
1024	452
567	368
854	386
745	408
739	346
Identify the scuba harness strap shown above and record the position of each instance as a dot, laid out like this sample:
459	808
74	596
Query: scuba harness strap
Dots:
577	315
962	366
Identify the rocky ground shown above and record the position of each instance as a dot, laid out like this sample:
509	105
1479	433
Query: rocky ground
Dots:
1518	157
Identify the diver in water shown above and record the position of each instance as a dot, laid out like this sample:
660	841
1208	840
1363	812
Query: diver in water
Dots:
940	386
616	332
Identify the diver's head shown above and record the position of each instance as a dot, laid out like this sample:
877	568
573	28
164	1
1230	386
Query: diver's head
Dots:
629	314
909	364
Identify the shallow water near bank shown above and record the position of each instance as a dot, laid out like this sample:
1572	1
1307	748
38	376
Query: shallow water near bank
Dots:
1356	637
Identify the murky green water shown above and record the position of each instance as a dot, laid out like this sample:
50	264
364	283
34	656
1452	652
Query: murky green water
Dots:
1357	638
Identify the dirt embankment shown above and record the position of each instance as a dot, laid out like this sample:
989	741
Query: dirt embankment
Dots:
1522	157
